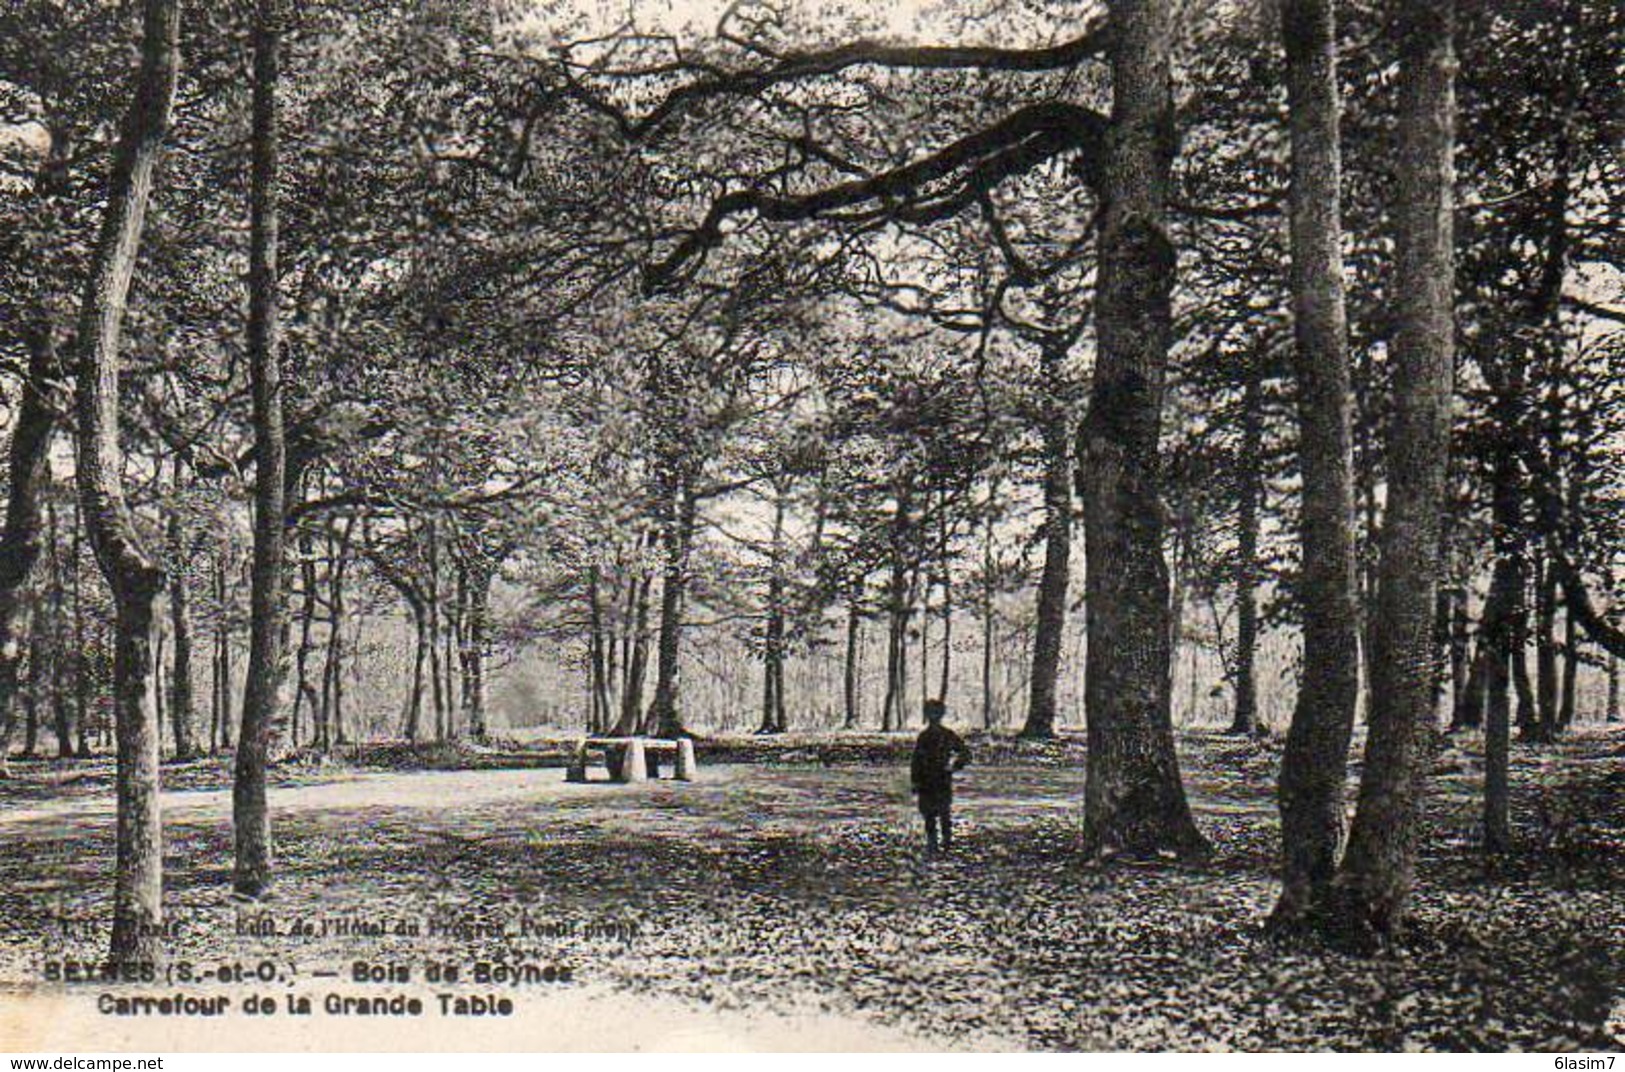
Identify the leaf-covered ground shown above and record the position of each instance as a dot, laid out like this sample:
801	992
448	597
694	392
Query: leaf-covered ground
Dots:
791	878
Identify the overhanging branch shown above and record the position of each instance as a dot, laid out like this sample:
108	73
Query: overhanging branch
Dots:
794	66
1013	146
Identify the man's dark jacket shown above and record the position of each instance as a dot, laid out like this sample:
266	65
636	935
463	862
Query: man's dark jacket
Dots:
937	754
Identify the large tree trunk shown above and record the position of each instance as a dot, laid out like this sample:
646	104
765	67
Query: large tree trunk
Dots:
1313	767
1134	800
20	543
1375	880
1050	623
1251	479
262	693
131	572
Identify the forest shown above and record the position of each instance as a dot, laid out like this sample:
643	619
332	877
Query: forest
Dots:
1206	401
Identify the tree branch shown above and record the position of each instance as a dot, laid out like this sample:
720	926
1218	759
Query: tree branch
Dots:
1594	309
1017	144
1578	602
793	66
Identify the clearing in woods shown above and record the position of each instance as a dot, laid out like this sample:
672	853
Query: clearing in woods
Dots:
793	876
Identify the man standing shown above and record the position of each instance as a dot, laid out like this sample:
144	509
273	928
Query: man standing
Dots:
938	752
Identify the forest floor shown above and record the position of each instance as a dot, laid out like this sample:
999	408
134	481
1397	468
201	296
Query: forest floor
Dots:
791	878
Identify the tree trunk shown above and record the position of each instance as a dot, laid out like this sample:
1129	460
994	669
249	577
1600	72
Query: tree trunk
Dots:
222	677
30	465
893	717
1040	730
251	817
478	638
779	686
432	637
1613	688
160	712
773	626
849	666
66	661
1528	715
614	641
332	724
333	667
1498	716
922	583
637	659
1375	879
1571	671
414	698
138	871
1251	478
39	659
1579	480
82	662
664	714
1499	633
1469	709
181	701
1053	582
598	685
1545	647
431	604
1313	766
304	693
1460	647
1134	800
945	667
451	625
129	568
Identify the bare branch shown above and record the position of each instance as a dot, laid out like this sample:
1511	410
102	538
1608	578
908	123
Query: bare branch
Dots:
794	66
1013	146
1593	309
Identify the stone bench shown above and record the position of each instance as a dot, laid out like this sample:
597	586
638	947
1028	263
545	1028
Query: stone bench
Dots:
627	759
